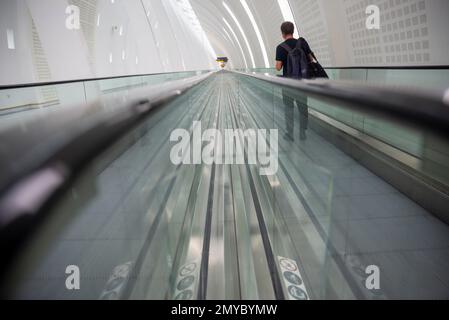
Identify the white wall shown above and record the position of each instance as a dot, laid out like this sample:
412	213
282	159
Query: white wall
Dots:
164	35
149	36
15	65
65	50
413	32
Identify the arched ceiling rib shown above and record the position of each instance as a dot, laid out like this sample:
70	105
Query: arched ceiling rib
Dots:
213	26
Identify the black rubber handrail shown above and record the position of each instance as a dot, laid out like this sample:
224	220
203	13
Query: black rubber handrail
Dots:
425	110
25	196
429	67
54	83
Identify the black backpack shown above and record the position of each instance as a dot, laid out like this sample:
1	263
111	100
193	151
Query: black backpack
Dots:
298	64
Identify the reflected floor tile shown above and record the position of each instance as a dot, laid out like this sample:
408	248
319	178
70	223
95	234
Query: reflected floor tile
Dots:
391	234
363	186
404	274
85	226
374	206
351	170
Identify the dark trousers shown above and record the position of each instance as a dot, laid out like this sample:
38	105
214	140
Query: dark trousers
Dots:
289	108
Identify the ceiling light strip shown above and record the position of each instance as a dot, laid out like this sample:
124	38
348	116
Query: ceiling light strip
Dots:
241	31
287	14
237	40
258	34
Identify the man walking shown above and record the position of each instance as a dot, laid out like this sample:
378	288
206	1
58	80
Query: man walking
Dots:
282	53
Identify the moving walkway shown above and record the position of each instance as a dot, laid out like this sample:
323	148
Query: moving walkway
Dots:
366	189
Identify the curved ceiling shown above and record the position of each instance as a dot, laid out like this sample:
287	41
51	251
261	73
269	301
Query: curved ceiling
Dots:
256	49
411	32
123	37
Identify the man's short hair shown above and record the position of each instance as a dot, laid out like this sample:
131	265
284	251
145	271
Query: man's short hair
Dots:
288	28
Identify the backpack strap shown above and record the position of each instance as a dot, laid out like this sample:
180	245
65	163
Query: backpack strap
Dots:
286	47
300	43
